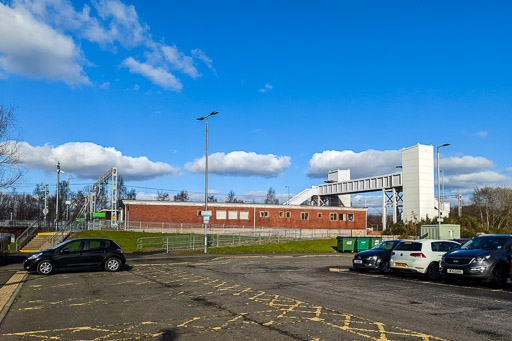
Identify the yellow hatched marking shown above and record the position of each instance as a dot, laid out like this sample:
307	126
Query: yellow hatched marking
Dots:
230	321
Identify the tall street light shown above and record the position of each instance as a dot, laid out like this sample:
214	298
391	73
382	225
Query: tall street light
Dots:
439	219
206	216
287	187
57	195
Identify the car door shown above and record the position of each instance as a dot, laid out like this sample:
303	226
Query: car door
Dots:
439	248
95	251
70	254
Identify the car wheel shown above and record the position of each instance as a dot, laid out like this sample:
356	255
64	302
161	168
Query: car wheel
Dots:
499	278
112	264
384	267
45	267
433	272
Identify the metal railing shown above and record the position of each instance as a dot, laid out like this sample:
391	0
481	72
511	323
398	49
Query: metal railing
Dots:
26	235
234	238
62	231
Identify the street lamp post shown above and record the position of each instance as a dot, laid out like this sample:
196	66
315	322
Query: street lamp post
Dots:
439	219
57	195
68	202
205	214
287	187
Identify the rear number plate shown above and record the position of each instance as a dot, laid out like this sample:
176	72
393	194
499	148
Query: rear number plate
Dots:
403	265
455	271
358	261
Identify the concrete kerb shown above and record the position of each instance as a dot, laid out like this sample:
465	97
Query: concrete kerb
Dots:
9	291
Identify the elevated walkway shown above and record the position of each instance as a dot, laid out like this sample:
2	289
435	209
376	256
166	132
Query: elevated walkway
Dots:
303	196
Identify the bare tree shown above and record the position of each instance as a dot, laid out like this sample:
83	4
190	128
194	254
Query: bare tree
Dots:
211	198
271	197
123	192
232	198
181	196
494	205
163	196
9	149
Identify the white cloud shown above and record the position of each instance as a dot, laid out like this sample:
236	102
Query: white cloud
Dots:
146	196
38	40
367	163
465	164
241	163
267	88
508	170
34	49
157	75
179	60
204	58
123	23
89	161
470	181
105	85
482	134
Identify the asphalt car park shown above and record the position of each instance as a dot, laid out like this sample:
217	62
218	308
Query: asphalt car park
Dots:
278	297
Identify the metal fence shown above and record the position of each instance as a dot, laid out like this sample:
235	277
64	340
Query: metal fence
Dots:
223	237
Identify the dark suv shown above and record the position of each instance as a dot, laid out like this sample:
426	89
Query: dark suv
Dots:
83	252
485	257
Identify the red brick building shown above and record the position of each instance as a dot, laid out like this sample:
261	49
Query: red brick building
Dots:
238	214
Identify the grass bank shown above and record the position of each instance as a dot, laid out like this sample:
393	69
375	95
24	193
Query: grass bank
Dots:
128	241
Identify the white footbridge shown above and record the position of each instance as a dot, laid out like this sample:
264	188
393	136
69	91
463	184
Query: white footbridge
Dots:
412	188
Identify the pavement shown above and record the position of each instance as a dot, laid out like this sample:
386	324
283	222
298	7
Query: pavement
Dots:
12	276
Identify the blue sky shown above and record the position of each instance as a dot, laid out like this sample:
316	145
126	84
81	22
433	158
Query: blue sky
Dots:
301	88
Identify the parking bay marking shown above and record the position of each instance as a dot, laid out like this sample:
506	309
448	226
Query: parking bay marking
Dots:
281	312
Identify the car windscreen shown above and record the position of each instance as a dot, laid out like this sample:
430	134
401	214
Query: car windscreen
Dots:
485	243
384	246
408	246
59	245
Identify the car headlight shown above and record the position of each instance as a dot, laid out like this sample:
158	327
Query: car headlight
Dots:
34	256
371	257
480	259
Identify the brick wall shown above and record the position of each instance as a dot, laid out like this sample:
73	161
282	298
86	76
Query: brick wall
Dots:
275	216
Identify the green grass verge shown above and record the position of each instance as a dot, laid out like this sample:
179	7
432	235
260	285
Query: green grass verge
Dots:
128	241
303	246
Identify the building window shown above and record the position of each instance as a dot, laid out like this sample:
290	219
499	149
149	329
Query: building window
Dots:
199	213
319	215
232	215
333	216
244	215
350	217
342	216
264	214
288	214
304	215
281	214
220	215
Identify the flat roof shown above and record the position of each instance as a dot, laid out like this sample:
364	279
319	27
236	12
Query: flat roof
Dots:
246	205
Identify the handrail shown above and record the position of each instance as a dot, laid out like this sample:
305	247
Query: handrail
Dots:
62	233
25	236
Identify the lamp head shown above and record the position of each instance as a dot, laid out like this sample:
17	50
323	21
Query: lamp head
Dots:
200	118
213	113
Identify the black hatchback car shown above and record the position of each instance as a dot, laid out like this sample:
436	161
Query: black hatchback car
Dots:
485	257
377	258
83	252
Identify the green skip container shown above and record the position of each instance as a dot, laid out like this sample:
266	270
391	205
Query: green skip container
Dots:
375	241
346	244
362	244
